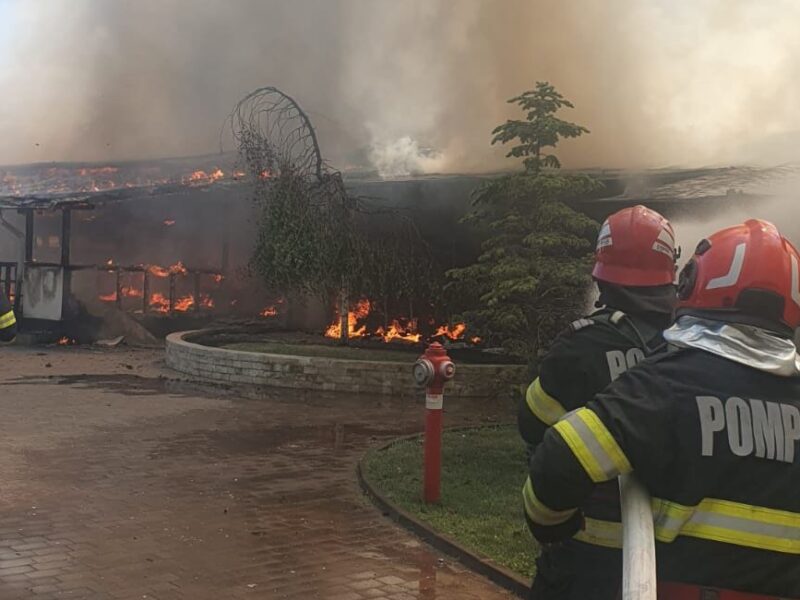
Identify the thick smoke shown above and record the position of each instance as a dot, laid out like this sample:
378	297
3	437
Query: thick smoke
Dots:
405	86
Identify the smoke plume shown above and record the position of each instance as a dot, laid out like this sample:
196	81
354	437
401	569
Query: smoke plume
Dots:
403	86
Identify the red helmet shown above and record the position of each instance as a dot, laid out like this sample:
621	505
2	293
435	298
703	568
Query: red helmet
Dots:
748	273
636	247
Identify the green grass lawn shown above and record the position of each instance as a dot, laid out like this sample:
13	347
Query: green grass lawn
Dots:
482	475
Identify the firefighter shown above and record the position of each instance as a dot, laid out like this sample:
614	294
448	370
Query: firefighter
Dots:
711	429
635	273
8	322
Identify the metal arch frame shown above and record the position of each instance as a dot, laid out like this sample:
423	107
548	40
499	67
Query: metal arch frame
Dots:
301	114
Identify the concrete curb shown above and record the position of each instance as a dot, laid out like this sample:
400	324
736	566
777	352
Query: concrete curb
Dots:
475	562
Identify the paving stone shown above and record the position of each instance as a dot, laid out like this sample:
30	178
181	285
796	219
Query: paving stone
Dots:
118	486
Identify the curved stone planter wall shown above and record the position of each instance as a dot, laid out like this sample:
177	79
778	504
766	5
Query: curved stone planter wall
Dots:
329	374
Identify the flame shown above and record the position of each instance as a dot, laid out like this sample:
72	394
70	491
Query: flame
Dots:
65	341
361	310
201	177
183	304
105	178
475	340
159	303
398	332
176	269
406	330
197	176
169	222
269	311
454	332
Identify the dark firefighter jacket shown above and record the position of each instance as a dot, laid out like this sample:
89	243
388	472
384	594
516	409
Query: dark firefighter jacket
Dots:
592	353
8	323
715	443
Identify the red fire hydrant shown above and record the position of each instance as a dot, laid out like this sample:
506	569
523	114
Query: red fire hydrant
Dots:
433	369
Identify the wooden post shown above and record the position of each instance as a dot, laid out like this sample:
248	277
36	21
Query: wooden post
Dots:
197	291
66	237
172	293
226	250
29	235
119	288
344	319
146	292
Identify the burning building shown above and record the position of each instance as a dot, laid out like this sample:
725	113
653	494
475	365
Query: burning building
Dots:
167	243
151	239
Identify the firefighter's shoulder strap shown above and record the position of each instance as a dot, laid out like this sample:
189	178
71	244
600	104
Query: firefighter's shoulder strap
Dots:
638	331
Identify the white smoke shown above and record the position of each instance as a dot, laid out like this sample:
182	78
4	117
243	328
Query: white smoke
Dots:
403	157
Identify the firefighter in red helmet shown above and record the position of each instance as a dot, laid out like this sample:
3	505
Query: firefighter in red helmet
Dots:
635	272
711	429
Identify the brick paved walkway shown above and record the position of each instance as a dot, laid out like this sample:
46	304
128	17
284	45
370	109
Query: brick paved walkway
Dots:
116	483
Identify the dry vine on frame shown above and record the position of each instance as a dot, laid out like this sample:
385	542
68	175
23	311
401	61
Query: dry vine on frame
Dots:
313	235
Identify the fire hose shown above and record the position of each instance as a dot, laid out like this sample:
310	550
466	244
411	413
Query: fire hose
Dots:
638	541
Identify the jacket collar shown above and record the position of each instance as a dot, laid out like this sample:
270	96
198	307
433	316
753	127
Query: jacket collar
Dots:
745	344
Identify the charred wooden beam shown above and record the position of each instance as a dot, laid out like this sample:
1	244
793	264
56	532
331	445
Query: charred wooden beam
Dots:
28	235
197	292
119	289
146	292
66	244
172	293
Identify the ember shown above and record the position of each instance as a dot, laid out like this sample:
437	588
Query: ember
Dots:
94	171
169	222
127	292
269	311
201	177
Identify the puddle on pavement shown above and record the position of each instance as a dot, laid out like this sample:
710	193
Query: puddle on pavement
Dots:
128	385
285	439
